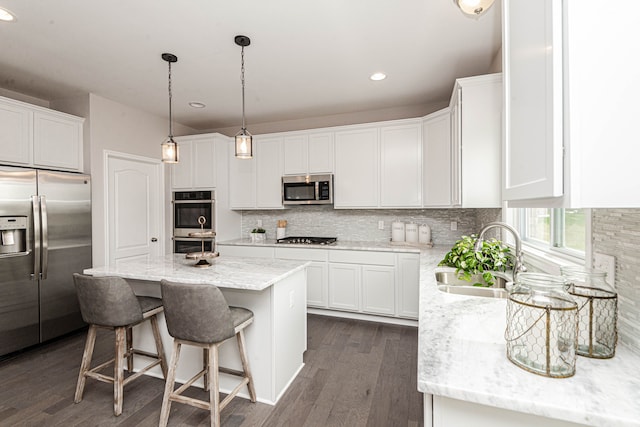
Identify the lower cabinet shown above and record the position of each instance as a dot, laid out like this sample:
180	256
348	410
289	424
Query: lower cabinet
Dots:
369	282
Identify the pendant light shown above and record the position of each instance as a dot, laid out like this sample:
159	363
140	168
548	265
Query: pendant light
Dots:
473	8
244	140
169	146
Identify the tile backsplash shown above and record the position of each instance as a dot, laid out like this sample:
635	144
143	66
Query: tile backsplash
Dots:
617	232
362	224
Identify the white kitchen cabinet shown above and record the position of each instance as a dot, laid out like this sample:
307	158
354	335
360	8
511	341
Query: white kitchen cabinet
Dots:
196	166
317	272
570	130
16	122
408	285
344	287
378	290
308	153
436	160
356	168
39	137
256	183
476	138
401	166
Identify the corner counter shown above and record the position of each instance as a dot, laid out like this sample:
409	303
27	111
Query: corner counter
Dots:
462	366
274	290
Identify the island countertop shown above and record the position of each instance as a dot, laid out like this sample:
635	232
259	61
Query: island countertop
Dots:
254	274
462	355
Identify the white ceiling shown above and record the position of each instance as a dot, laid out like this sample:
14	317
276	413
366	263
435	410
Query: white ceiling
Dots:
306	58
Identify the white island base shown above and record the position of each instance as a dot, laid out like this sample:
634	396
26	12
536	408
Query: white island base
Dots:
276	340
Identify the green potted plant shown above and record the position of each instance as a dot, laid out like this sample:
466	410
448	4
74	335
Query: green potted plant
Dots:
478	267
258	235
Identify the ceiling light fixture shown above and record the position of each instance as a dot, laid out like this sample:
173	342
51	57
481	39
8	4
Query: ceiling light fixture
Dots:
6	16
378	76
196	104
169	146
244	140
473	8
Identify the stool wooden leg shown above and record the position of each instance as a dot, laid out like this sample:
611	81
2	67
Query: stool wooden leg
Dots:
159	345
245	364
168	387
118	370
129	350
205	364
214	387
85	365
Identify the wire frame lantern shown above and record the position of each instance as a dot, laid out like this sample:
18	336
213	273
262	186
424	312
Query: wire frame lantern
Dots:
244	140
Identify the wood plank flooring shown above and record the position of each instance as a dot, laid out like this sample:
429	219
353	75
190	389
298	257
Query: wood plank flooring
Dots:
356	373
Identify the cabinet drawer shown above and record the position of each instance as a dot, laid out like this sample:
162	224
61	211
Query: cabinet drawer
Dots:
246	251
305	254
363	257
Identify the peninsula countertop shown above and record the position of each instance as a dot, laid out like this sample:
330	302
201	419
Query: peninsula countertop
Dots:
254	274
462	355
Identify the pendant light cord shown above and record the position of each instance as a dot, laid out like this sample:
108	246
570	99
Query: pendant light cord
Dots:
242	80
170	121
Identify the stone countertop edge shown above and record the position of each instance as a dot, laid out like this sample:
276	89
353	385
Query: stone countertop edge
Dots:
255	274
339	245
462	355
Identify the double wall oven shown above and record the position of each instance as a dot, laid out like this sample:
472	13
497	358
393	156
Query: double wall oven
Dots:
188	206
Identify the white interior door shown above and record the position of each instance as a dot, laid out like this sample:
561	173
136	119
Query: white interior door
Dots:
134	207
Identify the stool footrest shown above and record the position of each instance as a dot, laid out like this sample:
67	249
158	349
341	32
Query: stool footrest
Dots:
232	371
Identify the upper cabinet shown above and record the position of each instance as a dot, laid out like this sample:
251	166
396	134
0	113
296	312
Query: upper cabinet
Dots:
308	153
256	183
356	179
569	131
39	137
476	137
401	165
436	160
196	168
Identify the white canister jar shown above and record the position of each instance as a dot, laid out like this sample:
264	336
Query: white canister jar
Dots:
424	234
397	231
411	233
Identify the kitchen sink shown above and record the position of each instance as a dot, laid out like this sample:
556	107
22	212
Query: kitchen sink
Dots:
448	282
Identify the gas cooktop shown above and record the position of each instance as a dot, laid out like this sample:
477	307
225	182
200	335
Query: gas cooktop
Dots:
308	240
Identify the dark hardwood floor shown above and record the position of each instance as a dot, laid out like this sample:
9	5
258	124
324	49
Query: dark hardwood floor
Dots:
356	373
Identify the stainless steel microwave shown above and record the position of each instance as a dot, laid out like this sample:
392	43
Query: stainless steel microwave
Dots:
307	190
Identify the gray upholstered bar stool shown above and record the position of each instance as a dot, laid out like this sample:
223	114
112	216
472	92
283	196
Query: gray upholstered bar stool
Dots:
109	302
199	315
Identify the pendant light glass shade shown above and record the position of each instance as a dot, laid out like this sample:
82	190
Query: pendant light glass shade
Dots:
244	144
169	146
244	140
474	8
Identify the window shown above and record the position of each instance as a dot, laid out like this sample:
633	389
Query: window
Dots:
554	229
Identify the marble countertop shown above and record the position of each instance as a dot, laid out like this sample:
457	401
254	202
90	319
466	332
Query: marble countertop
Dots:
339	245
254	274
462	355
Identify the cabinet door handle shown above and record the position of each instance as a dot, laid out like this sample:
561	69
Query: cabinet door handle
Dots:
154	239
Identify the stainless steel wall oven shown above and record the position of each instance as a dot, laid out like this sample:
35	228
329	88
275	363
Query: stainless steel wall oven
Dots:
188	206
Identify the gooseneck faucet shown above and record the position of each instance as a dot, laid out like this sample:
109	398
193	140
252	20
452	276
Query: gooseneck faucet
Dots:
518	266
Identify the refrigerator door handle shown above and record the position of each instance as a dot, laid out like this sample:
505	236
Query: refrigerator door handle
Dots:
45	237
35	205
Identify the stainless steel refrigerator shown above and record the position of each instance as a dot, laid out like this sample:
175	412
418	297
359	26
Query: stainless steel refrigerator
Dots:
45	237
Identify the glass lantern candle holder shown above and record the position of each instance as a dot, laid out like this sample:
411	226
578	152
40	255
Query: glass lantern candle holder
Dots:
597	311
542	327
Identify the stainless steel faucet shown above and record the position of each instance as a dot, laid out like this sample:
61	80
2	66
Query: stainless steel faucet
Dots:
518	266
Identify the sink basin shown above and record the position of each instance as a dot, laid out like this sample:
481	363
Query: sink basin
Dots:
448	282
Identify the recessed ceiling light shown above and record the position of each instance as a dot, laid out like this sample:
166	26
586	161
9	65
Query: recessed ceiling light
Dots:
6	16
378	76
196	104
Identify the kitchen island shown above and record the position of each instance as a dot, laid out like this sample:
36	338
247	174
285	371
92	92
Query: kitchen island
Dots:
467	379
275	290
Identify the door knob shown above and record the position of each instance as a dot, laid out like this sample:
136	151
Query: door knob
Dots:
154	239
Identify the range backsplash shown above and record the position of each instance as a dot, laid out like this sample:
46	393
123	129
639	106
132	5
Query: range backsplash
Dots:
362	224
